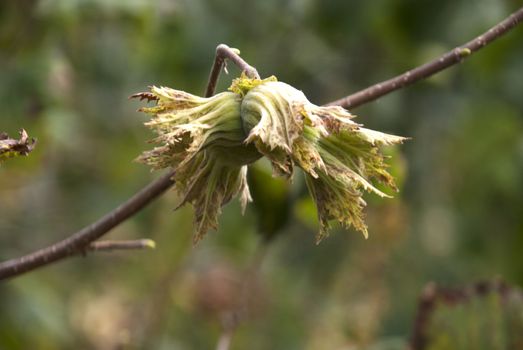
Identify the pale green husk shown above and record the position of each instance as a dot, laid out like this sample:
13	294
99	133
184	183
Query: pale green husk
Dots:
338	156
202	139
210	142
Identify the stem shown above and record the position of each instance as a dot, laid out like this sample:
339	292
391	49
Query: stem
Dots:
224	52
448	59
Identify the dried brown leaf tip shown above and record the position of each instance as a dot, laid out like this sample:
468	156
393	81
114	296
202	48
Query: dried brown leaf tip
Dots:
144	96
10	148
210	142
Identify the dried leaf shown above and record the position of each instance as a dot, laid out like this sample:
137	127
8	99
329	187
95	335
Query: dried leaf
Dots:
10	148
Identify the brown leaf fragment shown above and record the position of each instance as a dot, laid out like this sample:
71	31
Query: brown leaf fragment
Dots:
10	148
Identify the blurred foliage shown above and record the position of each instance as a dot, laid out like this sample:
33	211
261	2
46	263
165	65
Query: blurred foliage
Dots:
66	70
271	199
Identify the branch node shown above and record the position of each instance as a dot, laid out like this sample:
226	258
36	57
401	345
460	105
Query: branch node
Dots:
223	53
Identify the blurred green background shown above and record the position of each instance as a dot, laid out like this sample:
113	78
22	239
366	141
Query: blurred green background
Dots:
66	70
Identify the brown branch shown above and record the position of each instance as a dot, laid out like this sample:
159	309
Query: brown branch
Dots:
80	240
433	294
445	61
224	52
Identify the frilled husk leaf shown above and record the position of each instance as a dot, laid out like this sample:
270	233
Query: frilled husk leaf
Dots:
265	114
339	157
208	184
202	139
350	160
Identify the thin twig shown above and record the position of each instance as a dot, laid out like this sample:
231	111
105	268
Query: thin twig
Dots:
109	246
224	52
80	240
445	61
